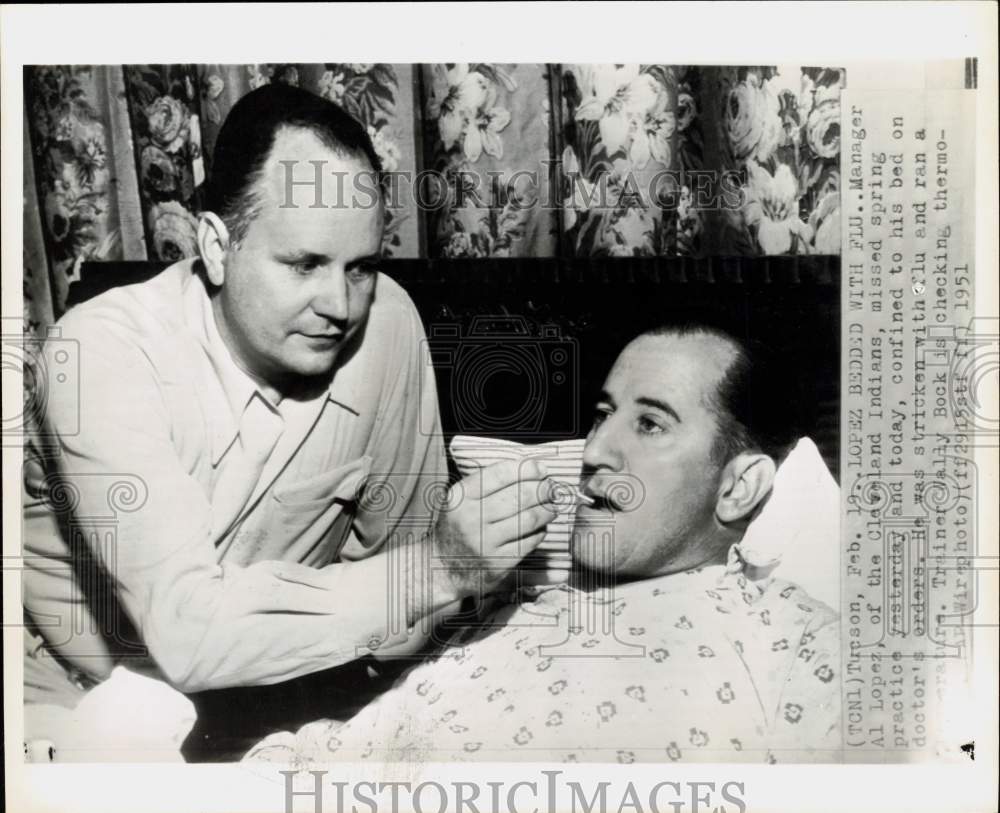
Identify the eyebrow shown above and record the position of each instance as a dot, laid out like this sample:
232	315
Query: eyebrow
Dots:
656	403
374	257
643	400
302	256
604	395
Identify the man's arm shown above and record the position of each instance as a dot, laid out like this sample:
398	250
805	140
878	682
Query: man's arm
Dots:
409	473
206	624
429	578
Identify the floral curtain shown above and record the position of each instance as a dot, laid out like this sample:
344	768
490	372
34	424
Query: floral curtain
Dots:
486	133
493	160
167	138
621	138
770	139
80	184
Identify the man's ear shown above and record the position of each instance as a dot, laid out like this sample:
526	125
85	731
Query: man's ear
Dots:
213	243
745	483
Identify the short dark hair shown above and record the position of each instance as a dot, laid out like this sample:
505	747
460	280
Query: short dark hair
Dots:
247	137
752	402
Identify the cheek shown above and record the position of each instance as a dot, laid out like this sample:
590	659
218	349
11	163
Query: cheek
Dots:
644	532
269	302
359	299
246	286
675	497
683	475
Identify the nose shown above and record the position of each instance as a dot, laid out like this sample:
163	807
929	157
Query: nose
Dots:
602	450
330	300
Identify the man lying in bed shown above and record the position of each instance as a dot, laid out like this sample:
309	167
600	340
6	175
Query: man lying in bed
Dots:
665	645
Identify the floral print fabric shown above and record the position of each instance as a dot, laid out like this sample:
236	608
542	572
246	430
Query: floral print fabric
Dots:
702	666
772	134
486	133
620	132
67	112
496	160
166	129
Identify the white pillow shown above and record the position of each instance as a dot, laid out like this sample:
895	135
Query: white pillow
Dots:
798	528
550	562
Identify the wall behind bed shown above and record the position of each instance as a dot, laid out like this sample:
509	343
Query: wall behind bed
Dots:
521	347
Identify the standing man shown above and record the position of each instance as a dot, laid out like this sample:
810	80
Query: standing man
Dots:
252	397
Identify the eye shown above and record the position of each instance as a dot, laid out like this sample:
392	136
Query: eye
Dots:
650	425
601	414
303	267
362	271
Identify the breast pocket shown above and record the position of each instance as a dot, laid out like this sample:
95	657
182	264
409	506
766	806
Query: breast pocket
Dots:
315	514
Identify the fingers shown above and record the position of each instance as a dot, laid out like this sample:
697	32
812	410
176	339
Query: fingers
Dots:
528	525
519	496
501	519
512	552
499	476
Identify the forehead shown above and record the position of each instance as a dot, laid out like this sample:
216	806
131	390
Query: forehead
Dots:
682	370
301	172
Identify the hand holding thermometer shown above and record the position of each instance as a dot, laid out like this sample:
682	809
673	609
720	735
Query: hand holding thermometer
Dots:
567	496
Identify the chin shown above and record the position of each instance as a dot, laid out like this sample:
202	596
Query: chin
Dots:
592	547
314	365
302	378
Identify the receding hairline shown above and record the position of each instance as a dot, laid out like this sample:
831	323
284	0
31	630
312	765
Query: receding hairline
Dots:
267	179
322	137
726	351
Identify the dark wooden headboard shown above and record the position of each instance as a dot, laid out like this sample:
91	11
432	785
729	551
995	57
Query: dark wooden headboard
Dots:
522	345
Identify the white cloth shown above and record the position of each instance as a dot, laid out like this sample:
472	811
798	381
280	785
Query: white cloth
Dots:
128	718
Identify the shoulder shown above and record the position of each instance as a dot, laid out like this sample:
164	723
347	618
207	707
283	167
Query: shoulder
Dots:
395	329
128	317
133	339
115	361
393	307
794	594
789	600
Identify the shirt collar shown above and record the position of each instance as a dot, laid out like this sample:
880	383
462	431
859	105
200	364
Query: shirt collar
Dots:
735	574
237	388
